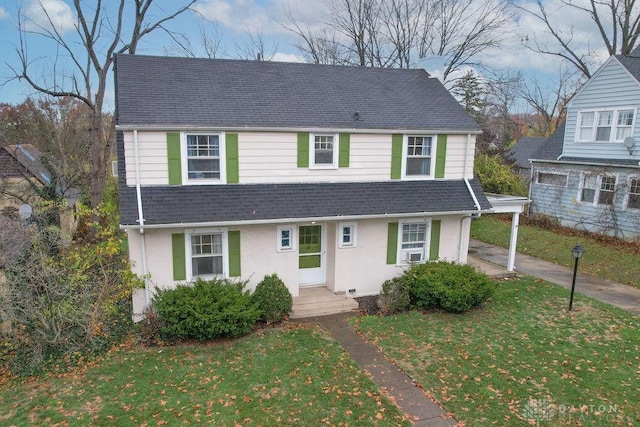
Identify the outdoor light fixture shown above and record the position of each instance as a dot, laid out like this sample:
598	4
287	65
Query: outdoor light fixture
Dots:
577	252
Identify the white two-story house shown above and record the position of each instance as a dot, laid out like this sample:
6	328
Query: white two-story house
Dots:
587	174
329	176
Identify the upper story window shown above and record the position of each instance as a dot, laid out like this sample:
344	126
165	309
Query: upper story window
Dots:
324	151
203	157
418	156
598	189
605	125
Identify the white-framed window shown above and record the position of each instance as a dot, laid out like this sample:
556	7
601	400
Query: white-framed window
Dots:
418	158
323	151
207	255
597	189
413	241
286	239
204	157
551	178
611	125
633	196
347	234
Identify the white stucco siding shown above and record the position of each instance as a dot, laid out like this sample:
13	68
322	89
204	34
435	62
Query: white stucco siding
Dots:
364	267
273	157
456	154
152	155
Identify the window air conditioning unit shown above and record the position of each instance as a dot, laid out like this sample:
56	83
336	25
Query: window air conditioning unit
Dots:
414	256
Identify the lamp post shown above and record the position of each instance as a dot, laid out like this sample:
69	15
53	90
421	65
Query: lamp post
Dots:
577	252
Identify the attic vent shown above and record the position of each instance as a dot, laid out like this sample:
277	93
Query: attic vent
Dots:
26	153
356	116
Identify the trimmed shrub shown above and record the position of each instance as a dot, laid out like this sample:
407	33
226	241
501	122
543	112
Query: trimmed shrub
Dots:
453	287
273	299
205	310
394	297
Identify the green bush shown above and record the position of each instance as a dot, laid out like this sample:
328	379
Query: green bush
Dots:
497	177
273	299
453	287
206	309
395	297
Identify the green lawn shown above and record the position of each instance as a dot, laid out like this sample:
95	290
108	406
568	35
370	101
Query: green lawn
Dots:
295	375
523	353
612	260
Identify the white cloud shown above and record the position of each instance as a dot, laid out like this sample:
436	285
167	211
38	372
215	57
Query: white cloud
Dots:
3	13
287	57
45	14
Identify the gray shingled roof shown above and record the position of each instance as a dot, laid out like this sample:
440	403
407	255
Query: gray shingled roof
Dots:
601	161
524	149
551	148
233	93
221	203
631	62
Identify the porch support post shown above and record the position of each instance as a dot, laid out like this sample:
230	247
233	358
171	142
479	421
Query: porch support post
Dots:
512	243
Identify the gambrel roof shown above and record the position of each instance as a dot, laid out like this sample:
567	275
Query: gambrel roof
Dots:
175	92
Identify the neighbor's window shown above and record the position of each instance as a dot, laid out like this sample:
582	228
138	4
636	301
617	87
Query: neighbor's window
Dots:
413	242
605	126
203	156
418	159
286	239
634	194
598	189
324	151
556	179
206	255
347	235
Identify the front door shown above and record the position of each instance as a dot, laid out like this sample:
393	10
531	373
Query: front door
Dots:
310	259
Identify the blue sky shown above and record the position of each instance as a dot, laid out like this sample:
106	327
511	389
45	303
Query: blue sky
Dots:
233	20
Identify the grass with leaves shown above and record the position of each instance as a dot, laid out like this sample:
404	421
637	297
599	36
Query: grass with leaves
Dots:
522	358
604	257
294	375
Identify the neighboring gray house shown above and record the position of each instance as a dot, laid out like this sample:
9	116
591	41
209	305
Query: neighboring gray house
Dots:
522	152
333	177
587	174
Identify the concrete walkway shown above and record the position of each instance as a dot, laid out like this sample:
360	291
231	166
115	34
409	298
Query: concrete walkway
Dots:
623	296
401	389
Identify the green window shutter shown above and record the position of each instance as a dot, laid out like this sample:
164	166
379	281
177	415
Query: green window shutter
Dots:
392	243
231	141
345	146
234	253
173	156
441	155
396	157
179	259
303	149
434	247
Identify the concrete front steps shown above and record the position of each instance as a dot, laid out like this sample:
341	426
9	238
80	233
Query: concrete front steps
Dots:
320	301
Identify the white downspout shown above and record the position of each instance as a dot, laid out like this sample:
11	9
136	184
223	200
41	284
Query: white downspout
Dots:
143	249
462	255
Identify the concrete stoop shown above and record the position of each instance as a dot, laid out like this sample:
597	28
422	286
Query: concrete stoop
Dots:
320	301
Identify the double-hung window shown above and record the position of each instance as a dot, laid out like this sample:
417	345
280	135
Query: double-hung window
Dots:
203	157
413	243
633	201
207	255
418	156
612	125
324	151
598	189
